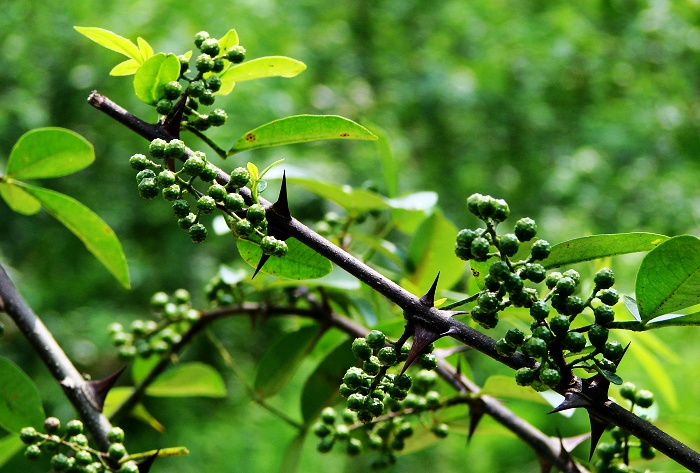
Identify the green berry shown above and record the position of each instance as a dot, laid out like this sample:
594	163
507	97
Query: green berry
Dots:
646	451
403	381
51	445
515	337
204	63
491	283
172	193
239	177
604	314
535	347
198	232
604	279
129	467
426	379
499	271
559	325
79	439
353	377
371	366
184	63
186	222
535	272
540	250
181	208
196	89
209	173
427	362
598	335
207	98
164	106
574	305
341	430
157	148
234	202
346	390
325	444
613	351
74	427
513	284
480	248
552	279
210	46
504	348
608	296
206	204
218	65
462	252
172	90
116	451
28	435
51	425
140	162
60	462
566	286
488	302
268	245
573	274
374	406
32	453
441	430
148	188
525	229
539	310
321	429
644	398
387	356
354	447
217	117
501	211
242	228
574	342
175	149
543	332
361	349
213	83
473	203
194	165
525	376
236	54
375	339
83	457
628	391
356	402
145	174
200	37
550	377
165	178
255	213
281	249
328	416
465	237
487	207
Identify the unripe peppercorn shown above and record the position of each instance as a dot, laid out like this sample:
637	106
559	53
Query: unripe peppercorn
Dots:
198	233
535	347
356	401
508	244
559	325
268	245
207	98
539	310
194	166
164	106
239	177
574	305
83	457
234	202
574	342
525	376
129	467
217	117
473	203
465	237
387	356
74	427
172	193
353	377
403	381
525	229
604	279
181	208
499	271
613	351
346	390
504	348
644	398
184	63
116	451
159	300
242	228
501	211
604	314
175	149
479	248
145	174
209	173
608	296
236	54
441	430
375	339
157	148
200	37
550	377
165	178
354	447
32	453
206	204
513	284
213	83
515	337
598	335
321	429
210	46
28	435
371	366
374	406
51	425
535	272
628	391
487	207
540	250
196	89
427	362
361	349
488	301
140	162
566	286
543	332
172	90
218	65
573	274
204	63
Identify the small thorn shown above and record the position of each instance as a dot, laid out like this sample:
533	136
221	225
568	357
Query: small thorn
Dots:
617	362
429	297
597	429
96	391
261	263
572	400
281	207
476	413
145	465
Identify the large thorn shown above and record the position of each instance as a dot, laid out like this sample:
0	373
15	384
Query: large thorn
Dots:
277	216
422	337
96	391
281	207
429	297
572	400
476	413
597	428
145	465
261	263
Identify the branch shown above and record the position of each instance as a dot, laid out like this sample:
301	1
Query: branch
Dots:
70	379
438	320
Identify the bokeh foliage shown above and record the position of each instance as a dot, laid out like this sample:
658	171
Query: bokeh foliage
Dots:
583	115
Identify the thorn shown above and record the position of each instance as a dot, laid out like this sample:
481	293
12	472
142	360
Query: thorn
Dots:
429	297
476	413
261	263
545	464
452	313
617	362
281	207
572	400
597	429
96	391
145	465
422	337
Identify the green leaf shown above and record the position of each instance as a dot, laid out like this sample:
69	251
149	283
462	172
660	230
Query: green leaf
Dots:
600	246
281	361
390	166
20	401
480	269
49	152
111	41
669	277
9	447
152	76
145	48
18	199
292	454
321	388
301	262
432	241
125	68
229	40
674	320
357	200
301	129
189	379
142	366
269	66
98	238
118	395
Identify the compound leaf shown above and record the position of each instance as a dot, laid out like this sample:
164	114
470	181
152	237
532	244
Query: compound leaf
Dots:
20	401
49	152
301	129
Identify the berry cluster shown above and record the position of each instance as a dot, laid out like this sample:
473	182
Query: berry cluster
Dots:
377	403
145	337
614	456
70	452
551	334
244	221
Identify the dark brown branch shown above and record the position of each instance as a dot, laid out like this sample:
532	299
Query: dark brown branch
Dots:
61	368
430	316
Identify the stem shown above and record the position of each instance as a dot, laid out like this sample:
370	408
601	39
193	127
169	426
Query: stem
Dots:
216	148
50	352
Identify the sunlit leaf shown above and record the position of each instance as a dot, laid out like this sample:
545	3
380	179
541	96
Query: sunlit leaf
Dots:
292	454
301	129
111	41
49	152
390	166
599	246
125	68
434	239
358	200
20	401
269	66
189	379
145	48
9	447
18	199
118	395
301	262
142	366
229	40
154	73
321	388
98	238
281	360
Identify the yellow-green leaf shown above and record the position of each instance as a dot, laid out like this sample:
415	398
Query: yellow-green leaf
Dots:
97	236
189	379
9	447
145	48
125	68
268	66
112	41
228	40
301	129
49	152
118	395
152	76
18	199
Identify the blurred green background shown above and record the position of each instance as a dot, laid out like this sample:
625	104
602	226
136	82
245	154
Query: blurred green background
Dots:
582	115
